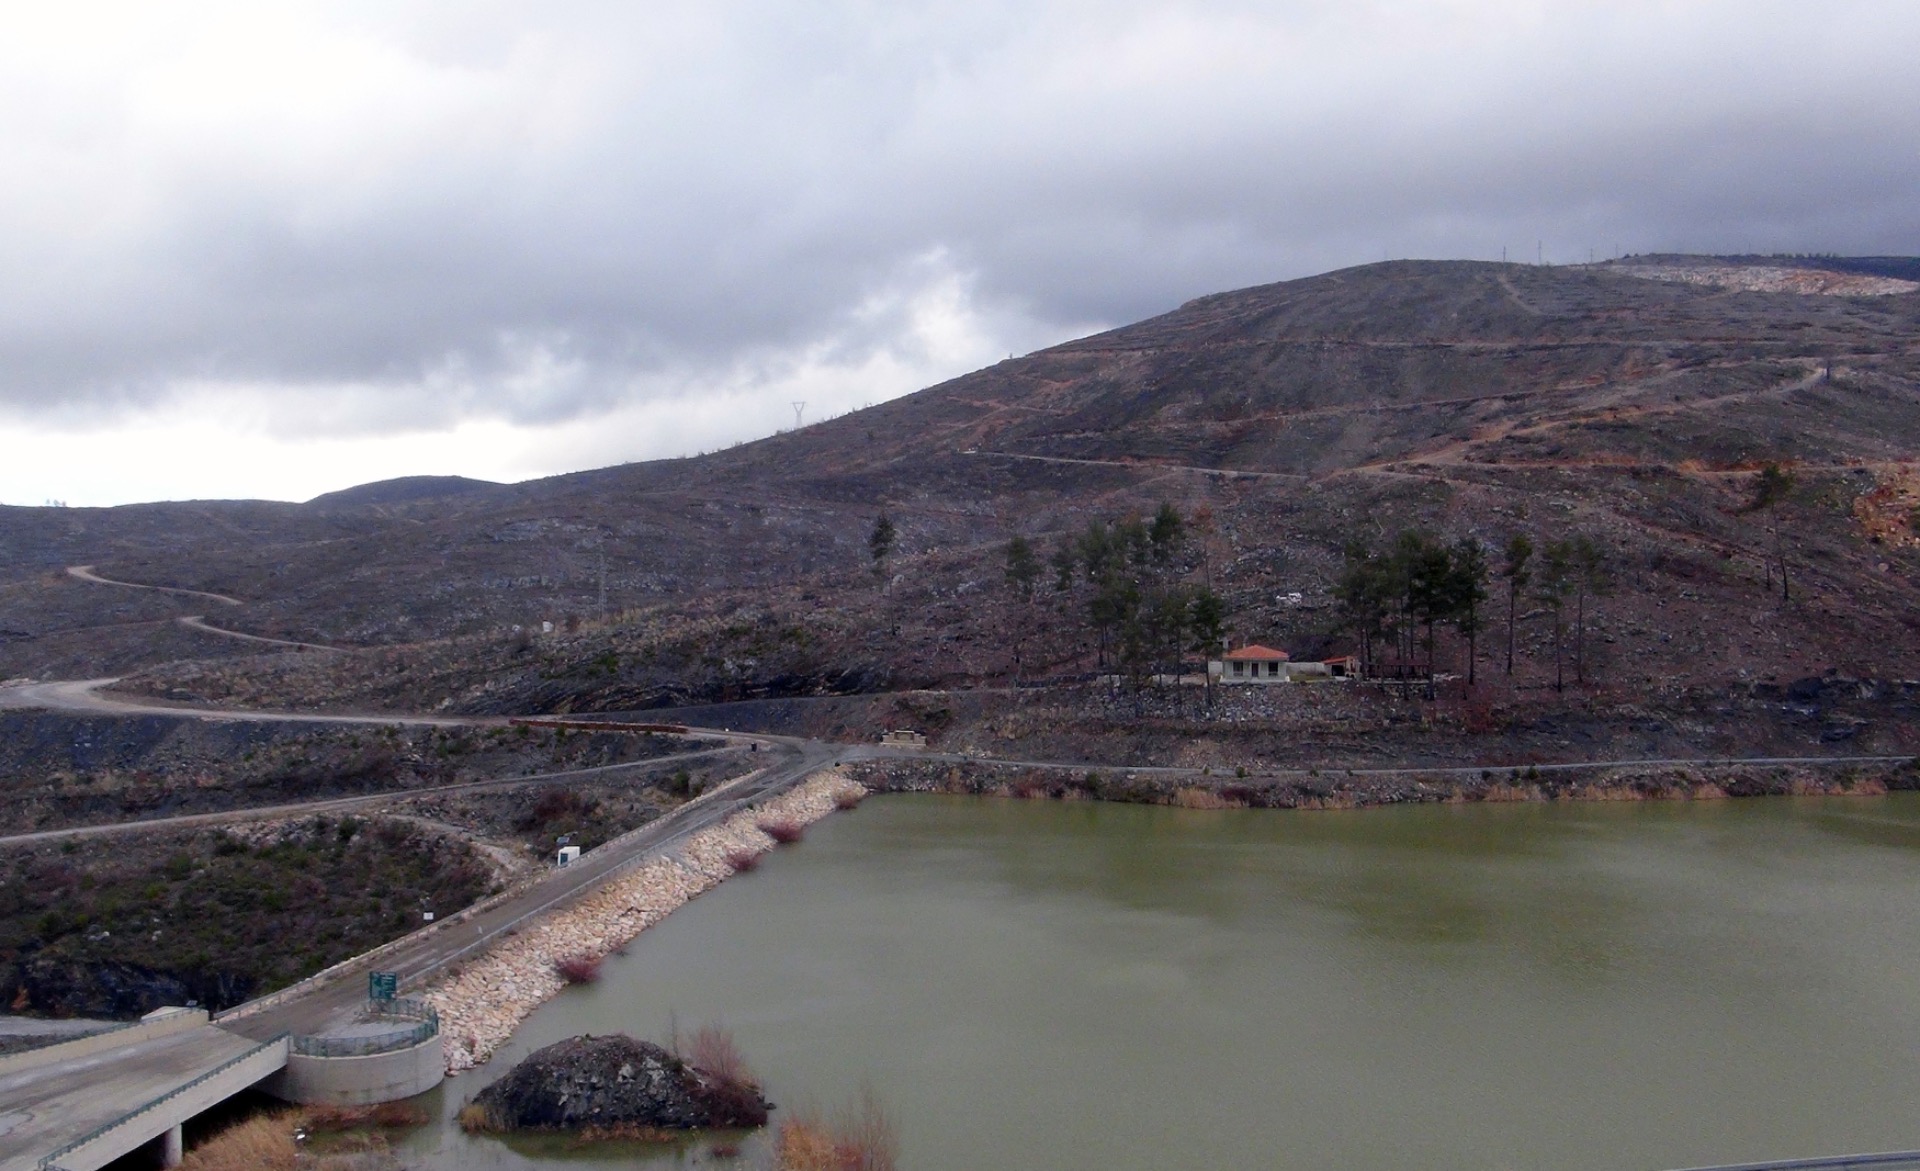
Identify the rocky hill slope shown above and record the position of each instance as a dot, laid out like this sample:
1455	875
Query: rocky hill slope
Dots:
1614	401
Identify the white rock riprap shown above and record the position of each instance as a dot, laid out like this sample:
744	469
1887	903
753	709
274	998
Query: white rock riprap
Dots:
480	1007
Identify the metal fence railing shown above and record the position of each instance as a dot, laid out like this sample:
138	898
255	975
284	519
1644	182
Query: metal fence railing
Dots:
52	1162
415	1021
1887	1161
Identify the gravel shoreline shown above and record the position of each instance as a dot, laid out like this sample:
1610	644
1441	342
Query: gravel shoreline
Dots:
481	1005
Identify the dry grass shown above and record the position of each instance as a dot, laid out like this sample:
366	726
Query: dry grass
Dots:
1194	797
264	1142
784	830
476	1119
804	1145
849	799
261	1143
579	969
863	1140
385	1115
713	1050
1500	792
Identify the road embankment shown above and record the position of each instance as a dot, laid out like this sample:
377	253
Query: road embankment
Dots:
1361	788
486	999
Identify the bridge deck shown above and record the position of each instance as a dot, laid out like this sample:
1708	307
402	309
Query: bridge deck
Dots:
43	1109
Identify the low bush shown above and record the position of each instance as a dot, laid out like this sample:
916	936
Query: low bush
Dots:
742	859
849	799
578	969
1195	797
863	1140
784	830
712	1050
477	1119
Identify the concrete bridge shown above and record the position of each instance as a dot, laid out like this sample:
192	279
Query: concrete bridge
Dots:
80	1105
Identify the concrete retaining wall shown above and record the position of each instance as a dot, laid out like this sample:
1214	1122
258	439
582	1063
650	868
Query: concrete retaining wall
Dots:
360	1081
162	1023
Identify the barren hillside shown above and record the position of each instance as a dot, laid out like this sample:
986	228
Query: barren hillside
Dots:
1614	401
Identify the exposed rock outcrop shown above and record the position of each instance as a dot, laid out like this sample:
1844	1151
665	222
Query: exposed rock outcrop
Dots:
615	1084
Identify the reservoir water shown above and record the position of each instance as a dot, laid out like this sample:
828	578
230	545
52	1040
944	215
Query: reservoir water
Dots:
1117	988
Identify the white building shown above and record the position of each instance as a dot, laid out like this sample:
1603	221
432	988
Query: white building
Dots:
1251	664
1263	664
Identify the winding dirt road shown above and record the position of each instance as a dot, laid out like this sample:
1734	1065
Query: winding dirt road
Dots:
86	573
363	801
199	622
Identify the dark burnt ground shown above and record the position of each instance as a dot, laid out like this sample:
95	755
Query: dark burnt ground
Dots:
1474	399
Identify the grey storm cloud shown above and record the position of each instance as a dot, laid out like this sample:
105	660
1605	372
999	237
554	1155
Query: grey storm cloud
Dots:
535	211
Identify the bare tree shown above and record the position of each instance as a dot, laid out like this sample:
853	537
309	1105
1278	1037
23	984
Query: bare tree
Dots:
1591	577
1552	589
1772	486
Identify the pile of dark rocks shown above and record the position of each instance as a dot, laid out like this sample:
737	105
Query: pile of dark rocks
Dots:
615	1084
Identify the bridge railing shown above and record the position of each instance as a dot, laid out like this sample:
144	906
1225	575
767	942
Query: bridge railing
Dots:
52	1161
1888	1160
425	1026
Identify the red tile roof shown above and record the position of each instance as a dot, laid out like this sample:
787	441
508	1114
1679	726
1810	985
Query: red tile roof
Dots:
1257	654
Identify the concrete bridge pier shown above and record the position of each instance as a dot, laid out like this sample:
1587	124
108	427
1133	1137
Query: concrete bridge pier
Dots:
172	1146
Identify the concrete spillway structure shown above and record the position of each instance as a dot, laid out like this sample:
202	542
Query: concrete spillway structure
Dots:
391	1051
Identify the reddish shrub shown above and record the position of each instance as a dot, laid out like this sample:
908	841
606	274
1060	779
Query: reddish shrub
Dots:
713	1051
580	969
784	830
743	859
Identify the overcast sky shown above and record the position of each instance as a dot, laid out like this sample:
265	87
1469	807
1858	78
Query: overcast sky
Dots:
270	250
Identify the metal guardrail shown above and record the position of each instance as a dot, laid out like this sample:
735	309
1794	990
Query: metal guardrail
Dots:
1886	1159
426	1026
52	1162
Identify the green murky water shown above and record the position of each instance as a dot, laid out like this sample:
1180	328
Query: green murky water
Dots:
1033	985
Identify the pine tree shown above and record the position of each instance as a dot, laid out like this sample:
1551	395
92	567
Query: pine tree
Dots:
880	543
1023	571
1023	567
1590	576
1519	575
1206	630
1467	588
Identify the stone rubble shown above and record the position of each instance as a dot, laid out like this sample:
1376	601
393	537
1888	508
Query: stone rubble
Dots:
482	1005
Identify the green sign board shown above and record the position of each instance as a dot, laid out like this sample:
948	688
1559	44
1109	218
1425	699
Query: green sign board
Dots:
382	985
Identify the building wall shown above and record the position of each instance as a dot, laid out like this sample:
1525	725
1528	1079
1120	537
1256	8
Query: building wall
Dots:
1223	672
